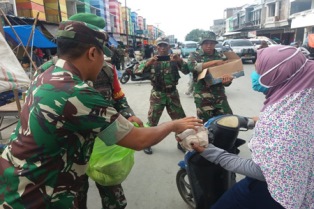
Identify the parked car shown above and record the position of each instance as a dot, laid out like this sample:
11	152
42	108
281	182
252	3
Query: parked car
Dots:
243	48
257	41
187	47
220	48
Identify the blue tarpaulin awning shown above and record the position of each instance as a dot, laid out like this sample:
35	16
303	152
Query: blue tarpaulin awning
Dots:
24	31
112	41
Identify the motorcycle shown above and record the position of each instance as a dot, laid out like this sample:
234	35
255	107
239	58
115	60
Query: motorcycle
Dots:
200	182
130	73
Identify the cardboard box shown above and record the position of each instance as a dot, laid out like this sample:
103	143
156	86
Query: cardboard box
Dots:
213	75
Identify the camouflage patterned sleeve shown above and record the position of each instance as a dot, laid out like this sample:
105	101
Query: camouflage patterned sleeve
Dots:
193	65
87	111
90	112
184	68
142	67
123	107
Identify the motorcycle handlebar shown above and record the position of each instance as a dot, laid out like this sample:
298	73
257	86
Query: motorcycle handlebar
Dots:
246	122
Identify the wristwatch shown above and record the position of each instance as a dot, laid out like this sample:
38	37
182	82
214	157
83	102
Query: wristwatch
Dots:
127	115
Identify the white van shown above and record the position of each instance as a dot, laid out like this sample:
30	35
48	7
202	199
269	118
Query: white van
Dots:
187	47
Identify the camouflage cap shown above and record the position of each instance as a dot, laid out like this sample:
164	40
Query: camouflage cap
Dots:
208	36
162	40
85	28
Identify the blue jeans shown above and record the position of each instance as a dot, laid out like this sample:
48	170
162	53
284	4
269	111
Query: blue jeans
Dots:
119	73
247	194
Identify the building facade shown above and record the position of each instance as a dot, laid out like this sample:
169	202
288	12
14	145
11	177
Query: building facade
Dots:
284	21
122	23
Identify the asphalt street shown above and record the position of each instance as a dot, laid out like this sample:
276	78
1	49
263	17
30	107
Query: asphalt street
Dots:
151	183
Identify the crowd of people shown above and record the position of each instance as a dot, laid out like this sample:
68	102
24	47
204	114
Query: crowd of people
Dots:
45	162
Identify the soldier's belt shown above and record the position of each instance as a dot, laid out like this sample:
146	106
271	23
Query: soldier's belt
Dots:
165	90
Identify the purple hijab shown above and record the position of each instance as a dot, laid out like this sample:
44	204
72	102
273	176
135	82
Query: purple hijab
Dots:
283	79
283	140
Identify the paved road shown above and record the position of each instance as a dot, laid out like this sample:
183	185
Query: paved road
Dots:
151	183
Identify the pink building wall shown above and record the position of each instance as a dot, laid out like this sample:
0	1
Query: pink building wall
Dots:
114	9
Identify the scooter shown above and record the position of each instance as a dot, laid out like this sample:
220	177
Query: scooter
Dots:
130	73
200	182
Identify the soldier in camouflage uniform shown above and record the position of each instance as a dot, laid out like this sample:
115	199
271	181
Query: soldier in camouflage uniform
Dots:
43	165
121	51
164	79
108	85
210	100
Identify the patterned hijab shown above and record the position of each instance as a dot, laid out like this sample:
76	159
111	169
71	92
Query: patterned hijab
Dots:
283	140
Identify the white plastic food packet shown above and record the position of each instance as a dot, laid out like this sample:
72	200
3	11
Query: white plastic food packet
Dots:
191	136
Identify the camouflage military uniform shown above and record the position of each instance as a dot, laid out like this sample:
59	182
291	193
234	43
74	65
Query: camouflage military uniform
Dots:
210	100
122	56
44	164
164	78
108	85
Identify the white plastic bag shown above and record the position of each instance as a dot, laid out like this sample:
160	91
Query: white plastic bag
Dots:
191	136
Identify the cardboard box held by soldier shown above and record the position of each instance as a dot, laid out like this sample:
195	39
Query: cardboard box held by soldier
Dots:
233	66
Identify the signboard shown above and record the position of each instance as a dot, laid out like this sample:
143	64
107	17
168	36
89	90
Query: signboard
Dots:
139	31
116	36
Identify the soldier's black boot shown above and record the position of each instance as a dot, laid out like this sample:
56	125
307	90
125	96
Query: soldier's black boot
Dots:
148	150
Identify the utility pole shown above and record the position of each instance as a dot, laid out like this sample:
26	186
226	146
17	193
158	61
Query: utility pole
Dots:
59	11
126	24
1	26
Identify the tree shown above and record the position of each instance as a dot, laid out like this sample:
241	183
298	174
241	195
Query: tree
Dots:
195	35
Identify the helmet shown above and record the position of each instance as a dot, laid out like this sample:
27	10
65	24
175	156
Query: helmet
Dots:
208	36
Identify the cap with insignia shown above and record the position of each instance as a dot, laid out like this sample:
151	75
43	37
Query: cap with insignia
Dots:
86	28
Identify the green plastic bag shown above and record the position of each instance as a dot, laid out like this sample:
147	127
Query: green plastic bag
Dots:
110	165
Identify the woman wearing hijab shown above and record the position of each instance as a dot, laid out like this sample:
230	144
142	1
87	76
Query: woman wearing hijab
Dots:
281	171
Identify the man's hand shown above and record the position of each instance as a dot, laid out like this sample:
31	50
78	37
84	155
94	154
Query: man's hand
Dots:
227	79
176	58
151	61
134	119
181	125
